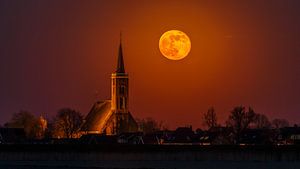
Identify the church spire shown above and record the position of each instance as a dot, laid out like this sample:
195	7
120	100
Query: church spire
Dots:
120	66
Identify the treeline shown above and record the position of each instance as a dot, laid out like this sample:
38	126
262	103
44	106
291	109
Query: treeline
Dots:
67	123
241	120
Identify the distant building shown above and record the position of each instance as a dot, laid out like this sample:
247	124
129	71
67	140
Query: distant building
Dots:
181	136
112	117
12	135
256	137
289	135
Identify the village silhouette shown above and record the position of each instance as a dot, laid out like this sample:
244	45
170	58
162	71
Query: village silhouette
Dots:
195	84
111	122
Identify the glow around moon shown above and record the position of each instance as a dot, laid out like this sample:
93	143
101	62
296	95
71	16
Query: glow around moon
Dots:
174	44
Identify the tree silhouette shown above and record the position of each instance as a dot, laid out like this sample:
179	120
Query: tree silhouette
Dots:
239	120
149	125
28	122
262	122
67	123
280	123
210	118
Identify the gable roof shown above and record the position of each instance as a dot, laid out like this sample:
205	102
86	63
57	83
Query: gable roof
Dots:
98	116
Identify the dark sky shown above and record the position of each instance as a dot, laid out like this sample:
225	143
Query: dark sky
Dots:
56	54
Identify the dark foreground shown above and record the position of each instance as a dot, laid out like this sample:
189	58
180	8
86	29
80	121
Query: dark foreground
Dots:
148	156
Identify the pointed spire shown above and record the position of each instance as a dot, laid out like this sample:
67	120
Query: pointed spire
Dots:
120	67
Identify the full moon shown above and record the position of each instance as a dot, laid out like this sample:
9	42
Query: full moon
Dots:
174	45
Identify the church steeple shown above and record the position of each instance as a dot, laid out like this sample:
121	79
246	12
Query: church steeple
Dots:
113	117
120	65
120	85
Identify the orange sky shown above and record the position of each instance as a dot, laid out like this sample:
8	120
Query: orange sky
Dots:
60	54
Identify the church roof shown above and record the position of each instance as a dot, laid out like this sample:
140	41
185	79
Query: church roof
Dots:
120	65
98	116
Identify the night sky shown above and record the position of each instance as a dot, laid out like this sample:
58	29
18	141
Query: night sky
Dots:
56	54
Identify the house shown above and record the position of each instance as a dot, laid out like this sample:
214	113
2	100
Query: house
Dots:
12	135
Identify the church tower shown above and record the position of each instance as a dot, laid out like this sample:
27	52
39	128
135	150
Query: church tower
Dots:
122	120
112	117
119	93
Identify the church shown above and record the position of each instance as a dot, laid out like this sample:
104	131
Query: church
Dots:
112	117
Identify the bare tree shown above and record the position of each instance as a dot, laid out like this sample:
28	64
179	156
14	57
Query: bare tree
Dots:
150	125
27	121
280	123
262	122
239	120
210	118
67	123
